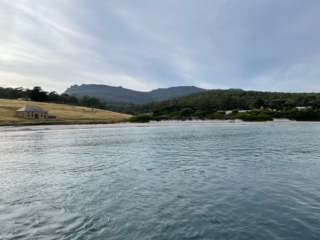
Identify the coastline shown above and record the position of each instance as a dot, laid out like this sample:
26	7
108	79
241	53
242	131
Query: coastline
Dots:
170	123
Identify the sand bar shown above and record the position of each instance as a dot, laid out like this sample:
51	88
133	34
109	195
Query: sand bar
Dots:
150	124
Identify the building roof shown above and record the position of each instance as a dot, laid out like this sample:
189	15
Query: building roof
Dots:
31	109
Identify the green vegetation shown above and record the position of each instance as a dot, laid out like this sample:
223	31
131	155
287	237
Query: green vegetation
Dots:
141	118
39	95
255	115
36	94
262	106
228	100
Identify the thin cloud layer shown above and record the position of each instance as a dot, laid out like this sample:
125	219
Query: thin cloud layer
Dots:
258	45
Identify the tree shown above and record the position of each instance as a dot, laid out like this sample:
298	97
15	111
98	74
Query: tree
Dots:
53	97
258	103
186	112
38	95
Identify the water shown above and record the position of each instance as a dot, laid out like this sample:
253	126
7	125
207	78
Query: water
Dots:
180	182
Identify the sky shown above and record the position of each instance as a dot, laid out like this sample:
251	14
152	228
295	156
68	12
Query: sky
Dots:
265	45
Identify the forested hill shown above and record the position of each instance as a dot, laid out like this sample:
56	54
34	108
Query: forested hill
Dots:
120	94
231	99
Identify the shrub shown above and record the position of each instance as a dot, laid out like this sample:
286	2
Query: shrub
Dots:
143	118
186	112
234	111
254	116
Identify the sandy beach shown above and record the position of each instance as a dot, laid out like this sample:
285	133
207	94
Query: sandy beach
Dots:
150	124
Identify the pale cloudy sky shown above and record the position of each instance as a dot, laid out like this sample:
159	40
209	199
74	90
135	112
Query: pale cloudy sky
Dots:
268	45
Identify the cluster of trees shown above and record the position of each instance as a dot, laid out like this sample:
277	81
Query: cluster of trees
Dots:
39	95
14	93
213	105
253	115
229	100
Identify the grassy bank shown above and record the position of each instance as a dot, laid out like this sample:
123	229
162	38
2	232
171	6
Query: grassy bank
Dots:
65	114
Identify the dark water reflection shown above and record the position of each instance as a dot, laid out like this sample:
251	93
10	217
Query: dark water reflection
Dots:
196	182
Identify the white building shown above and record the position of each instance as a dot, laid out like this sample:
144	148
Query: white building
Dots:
24	99
303	108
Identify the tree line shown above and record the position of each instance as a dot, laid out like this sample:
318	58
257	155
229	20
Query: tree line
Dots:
214	104
39	95
261	114
215	100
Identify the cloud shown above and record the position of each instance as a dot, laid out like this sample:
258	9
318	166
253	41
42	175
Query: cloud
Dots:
258	45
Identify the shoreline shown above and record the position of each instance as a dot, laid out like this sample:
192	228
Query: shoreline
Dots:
170	123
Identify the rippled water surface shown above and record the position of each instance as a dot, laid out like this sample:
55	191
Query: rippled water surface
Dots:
180	182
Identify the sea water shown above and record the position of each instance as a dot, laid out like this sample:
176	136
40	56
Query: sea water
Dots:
259	181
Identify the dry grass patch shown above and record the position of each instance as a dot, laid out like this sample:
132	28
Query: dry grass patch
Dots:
65	114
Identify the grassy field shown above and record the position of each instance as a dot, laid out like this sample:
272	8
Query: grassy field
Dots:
65	114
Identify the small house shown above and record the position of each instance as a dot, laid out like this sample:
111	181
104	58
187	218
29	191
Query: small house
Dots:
32	112
303	108
24	99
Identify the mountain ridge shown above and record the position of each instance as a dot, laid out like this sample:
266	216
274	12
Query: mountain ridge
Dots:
120	94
